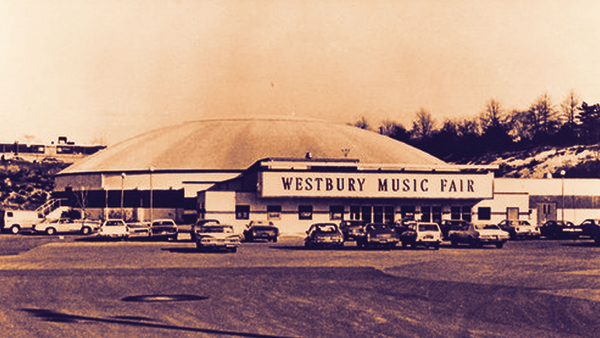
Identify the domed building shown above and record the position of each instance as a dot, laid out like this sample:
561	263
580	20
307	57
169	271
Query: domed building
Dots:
292	171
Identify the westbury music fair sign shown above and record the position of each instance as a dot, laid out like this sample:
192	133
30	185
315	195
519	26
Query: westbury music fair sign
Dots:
376	185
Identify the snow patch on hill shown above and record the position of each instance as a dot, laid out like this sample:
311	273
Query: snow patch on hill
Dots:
541	162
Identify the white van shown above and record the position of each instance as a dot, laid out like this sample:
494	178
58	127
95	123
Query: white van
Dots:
16	221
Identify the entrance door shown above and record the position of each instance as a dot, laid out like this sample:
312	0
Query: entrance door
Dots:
512	213
546	212
366	214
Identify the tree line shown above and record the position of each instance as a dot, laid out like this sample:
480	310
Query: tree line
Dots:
497	130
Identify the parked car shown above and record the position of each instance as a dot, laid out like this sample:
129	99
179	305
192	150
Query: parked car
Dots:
324	235
163	229
447	224
591	227
477	235
422	234
351	229
139	230
198	225
520	229
261	230
114	228
378	235
66	225
217	236
560	229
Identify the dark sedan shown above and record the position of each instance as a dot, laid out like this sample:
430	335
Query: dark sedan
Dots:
261	230
324	235
378	235
351	229
560	229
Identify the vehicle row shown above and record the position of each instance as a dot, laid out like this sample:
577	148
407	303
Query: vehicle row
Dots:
112	228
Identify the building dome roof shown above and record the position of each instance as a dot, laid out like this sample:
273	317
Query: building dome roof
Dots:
223	144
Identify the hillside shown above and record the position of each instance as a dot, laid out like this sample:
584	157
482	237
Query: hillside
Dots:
577	161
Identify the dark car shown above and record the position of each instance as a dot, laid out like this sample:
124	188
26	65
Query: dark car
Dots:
351	229
378	235
261	230
560	229
591	227
163	229
447	224
199	223
321	235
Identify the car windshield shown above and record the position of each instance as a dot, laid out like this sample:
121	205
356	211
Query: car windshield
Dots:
218	229
428	227
378	227
328	228
163	223
487	227
113	223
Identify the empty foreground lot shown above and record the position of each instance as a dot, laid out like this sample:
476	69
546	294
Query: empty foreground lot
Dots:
71	288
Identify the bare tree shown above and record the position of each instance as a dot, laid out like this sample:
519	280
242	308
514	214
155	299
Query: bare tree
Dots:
543	114
492	116
569	108
423	125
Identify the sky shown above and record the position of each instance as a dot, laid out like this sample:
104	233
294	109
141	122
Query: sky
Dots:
105	71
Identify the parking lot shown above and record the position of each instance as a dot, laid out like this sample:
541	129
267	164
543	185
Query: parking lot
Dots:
66	286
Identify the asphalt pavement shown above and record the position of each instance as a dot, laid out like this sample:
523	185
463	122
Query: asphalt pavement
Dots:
73	287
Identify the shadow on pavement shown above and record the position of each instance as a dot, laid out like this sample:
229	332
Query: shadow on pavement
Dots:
60	317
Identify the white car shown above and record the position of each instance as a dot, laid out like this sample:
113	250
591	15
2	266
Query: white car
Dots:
520	229
66	225
477	235
424	234
114	228
217	236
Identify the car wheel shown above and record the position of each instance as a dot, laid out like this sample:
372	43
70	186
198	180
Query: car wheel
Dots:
499	245
436	246
234	249
274	239
86	230
15	229
50	231
404	244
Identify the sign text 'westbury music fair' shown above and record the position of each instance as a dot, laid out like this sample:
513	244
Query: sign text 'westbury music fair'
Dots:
377	185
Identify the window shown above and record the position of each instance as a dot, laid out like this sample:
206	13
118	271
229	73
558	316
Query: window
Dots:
305	211
336	212
455	213
466	214
274	212
355	212
242	212
378	214
408	212
389	214
425	214
437	214
484	213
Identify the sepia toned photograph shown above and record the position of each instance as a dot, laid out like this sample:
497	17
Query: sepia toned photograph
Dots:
262	169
